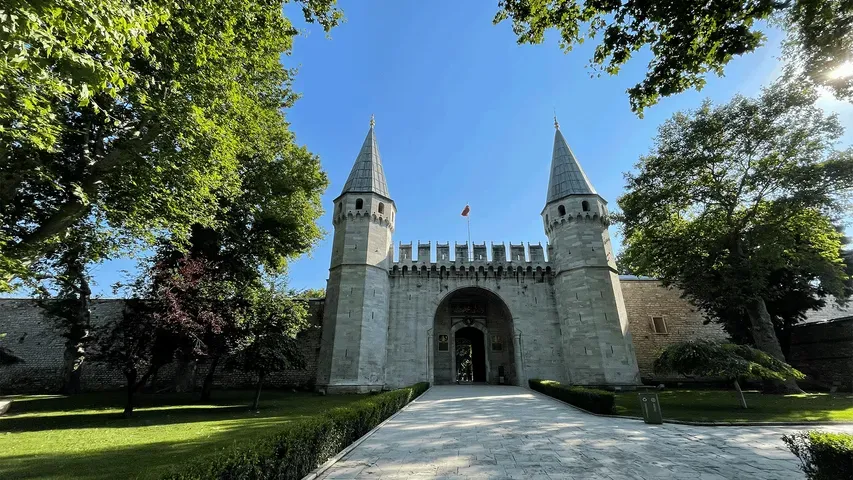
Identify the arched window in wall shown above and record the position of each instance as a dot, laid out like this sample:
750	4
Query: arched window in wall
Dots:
359	204
585	206
546	218
562	210
381	207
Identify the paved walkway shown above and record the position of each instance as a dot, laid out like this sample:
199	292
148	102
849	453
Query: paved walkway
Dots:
510	432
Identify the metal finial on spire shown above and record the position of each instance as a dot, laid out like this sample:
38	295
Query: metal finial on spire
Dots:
372	121
556	124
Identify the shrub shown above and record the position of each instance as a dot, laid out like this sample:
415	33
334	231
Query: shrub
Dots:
823	455
302	446
590	399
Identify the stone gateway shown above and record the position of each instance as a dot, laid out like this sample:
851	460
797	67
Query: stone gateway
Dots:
447	314
472	315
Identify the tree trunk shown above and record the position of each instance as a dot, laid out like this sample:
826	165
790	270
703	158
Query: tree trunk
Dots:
75	328
184	376
765	339
740	393
72	369
258	392
208	379
131	389
75	346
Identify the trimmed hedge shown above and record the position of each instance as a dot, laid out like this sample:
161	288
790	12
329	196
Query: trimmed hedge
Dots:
823	455
590	399
302	446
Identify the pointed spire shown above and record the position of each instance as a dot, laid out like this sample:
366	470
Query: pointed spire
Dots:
367	175
567	177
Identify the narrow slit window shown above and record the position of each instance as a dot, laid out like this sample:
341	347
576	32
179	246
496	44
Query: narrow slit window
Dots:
359	204
585	206
381	207
659	325
562	210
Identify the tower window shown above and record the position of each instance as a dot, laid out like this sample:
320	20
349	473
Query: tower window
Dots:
546	218
359	204
659	325
585	206
340	207
381	207
562	210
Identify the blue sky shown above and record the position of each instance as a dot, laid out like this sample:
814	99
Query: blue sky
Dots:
464	115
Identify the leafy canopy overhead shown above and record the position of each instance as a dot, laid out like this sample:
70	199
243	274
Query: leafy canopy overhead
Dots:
731	192
690	38
140	113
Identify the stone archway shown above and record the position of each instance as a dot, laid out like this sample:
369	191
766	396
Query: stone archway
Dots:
475	317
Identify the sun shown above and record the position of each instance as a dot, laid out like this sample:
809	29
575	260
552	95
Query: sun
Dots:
842	71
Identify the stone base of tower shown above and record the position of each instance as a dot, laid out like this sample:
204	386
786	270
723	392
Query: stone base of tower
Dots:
343	388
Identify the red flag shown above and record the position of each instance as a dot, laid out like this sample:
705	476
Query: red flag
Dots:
466	210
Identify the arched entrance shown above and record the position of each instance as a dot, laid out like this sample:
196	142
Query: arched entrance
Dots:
470	355
473	339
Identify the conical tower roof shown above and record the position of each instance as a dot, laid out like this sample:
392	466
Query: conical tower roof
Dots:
367	175
567	177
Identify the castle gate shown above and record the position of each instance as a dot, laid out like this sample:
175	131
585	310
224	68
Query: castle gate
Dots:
473	339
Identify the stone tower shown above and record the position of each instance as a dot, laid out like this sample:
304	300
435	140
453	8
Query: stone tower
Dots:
355	320
597	347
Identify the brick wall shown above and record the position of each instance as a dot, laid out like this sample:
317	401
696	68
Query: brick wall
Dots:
31	336
645	299
824	352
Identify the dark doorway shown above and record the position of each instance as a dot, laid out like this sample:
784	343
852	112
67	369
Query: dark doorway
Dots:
470	355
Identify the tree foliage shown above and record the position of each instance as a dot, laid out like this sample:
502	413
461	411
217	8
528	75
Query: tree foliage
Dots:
133	343
689	38
269	329
731	195
61	282
140	114
701	358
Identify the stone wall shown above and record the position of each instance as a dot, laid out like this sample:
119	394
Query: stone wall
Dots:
645	299
32	336
824	352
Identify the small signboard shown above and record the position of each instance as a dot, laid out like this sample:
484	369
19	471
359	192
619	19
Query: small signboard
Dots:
651	408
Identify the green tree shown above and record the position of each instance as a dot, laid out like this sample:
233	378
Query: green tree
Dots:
731	194
311	293
270	325
254	235
136	112
690	38
727	360
61	282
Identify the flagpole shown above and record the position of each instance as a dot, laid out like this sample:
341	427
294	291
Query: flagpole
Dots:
470	246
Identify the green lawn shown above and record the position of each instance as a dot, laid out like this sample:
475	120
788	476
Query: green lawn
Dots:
723	406
85	437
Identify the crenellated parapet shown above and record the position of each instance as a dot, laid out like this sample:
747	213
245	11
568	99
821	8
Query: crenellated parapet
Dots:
478	258
364	216
579	218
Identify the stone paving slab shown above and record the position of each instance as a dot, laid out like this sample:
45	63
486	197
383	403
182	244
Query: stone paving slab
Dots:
499	432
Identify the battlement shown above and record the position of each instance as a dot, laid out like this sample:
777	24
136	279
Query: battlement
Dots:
475	255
